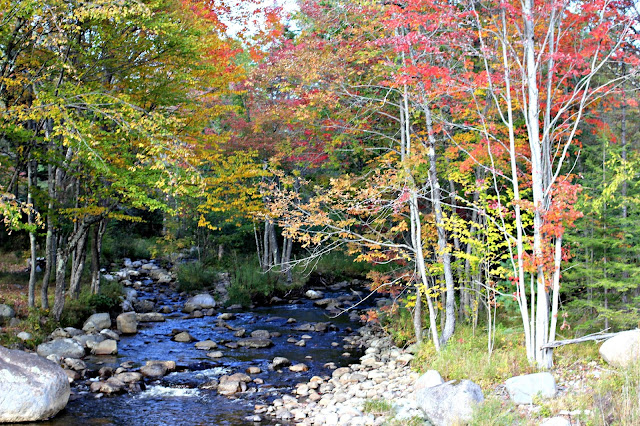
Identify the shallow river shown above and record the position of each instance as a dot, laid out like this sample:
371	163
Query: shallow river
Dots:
176	400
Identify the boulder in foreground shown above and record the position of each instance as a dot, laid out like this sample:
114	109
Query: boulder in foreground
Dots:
449	403
32	388
622	349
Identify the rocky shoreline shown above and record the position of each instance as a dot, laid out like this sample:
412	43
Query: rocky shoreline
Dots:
382	374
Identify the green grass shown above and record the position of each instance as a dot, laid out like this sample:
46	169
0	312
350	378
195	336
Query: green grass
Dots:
466	357
377	406
494	411
195	276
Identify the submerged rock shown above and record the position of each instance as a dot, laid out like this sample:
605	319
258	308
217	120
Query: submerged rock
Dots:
31	388
252	342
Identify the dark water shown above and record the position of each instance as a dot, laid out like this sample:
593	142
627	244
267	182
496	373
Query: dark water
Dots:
176	400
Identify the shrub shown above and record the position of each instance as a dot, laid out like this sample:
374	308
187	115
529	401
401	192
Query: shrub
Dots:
194	276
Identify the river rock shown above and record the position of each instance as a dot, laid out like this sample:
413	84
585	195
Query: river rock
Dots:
127	323
203	301
129	377
255	343
97	322
228	387
428	380
254	370
59	333
226	316
622	349
6	313
153	371
313	294
298	368
31	388
523	389
106	347
449	403
75	364
206	345
215	354
65	348
150	317
280	362
323	303
261	334
144	306
89	341
183	337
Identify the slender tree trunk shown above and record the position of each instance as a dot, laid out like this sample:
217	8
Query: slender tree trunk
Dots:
96	251
80	255
266	254
444	253
31	183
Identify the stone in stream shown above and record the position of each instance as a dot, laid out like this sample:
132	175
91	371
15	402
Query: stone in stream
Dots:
150	317
449	403
280	362
301	343
75	364
153	371
31	388
299	368
226	316
97	322
144	306
202	301
305	327
110	334
183	337
90	341
129	377
215	354
240	332
206	345
106	347
253	370
313	294
127	323
210	385
260	334
65	348
323	303
255	343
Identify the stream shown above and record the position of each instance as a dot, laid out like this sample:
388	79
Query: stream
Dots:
176	399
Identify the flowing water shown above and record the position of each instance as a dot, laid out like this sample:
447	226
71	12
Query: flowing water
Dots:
176	399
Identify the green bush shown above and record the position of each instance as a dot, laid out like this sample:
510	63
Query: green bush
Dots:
76	311
249	283
195	276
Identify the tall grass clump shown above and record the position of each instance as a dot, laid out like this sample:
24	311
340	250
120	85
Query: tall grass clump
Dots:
195	276
466	357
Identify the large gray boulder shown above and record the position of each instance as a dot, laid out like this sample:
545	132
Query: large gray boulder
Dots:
202	301
622	349
97	322
127	323
523	389
65	348
449	403
31	388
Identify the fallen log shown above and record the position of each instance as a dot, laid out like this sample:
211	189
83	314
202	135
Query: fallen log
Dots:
601	335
